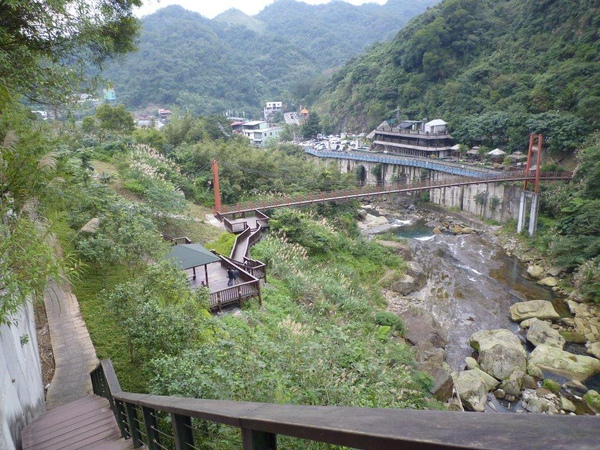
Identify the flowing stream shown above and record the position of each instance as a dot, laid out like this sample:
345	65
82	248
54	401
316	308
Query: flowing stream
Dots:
471	285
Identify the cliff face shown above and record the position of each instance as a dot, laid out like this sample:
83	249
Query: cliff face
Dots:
21	387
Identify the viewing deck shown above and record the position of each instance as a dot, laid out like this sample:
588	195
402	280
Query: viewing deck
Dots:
156	422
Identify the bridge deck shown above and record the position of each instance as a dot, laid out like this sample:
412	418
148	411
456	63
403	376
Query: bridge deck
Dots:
85	423
369	191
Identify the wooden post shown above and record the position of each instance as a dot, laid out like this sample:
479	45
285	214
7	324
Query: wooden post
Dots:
134	426
151	425
182	429
216	188
258	440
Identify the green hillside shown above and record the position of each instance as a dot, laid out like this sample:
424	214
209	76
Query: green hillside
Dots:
238	62
530	64
336	31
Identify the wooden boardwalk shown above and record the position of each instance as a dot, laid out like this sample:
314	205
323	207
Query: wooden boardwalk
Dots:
86	423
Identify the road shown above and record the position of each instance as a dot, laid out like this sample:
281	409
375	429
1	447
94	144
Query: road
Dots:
291	118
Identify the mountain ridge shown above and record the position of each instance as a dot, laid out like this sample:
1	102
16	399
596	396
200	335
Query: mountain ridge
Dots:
236	61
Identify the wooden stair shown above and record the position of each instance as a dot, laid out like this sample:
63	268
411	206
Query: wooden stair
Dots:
88	423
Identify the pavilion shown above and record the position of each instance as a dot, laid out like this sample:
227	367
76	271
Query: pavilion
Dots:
191	256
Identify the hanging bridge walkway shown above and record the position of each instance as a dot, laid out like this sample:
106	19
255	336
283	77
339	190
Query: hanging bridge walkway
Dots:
242	208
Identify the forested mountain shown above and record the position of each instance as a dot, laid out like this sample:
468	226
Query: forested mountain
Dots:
336	31
238	62
513	64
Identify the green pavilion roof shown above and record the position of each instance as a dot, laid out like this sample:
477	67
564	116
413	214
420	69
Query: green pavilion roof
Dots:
191	255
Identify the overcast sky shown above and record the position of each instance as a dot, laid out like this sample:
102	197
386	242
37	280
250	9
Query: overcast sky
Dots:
212	8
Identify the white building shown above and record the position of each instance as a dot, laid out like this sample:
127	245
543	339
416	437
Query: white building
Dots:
259	132
272	108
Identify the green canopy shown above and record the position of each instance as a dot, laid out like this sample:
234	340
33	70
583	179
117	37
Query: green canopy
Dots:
191	255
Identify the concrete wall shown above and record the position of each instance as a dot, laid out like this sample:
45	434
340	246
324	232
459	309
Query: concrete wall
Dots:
391	173
491	201
21	387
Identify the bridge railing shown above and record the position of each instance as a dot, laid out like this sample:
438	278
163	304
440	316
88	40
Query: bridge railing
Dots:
159	422
348	194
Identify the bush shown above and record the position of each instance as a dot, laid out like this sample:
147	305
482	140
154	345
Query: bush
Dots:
134	186
223	245
385	318
587	280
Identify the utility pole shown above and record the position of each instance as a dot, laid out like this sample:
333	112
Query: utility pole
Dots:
216	189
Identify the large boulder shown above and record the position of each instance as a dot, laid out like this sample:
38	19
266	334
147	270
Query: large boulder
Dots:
548	281
405	285
569	365
541	309
541	332
471	390
500	352
536	272
413	279
593	348
431	359
489	381
514	383
421	326
592	399
92	226
371	221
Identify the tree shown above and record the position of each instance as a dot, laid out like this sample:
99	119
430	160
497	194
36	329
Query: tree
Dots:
115	118
27	178
312	127
46	46
126	236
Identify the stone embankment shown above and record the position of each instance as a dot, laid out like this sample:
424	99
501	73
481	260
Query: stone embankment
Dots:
548	379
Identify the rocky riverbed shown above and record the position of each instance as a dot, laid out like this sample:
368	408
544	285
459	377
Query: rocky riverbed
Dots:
496	332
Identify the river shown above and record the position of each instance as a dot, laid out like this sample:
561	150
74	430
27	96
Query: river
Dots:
471	285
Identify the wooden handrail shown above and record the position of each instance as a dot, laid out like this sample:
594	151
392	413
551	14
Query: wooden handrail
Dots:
365	428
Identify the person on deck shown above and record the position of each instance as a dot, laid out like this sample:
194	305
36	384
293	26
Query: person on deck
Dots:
236	275
230	276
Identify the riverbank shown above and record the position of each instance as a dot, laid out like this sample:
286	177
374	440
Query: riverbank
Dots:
463	287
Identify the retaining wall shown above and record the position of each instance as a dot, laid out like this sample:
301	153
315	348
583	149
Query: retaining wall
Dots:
21	386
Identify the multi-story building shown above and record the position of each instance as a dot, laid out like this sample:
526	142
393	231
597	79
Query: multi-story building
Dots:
259	132
413	138
272	108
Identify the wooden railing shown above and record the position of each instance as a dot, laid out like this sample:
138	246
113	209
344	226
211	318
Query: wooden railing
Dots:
234	227
176	240
241	243
159	422
235	295
233	224
257	269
